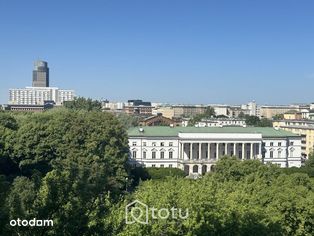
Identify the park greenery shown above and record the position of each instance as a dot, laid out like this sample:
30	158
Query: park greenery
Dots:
81	103
70	165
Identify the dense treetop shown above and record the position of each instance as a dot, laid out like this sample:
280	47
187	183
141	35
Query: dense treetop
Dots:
70	165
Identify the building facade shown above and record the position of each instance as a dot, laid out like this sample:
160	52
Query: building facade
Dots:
293	115
41	74
305	128
187	110
165	111
196	150
270	111
221	122
38	96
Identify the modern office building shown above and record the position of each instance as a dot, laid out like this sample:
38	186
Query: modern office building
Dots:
41	74
37	97
196	150
138	107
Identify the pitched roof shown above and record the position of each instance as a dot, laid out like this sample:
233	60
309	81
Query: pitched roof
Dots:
161	131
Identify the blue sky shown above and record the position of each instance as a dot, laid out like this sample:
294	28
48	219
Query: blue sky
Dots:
167	50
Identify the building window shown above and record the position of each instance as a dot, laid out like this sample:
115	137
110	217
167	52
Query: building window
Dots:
153	155
271	144
291	153
162	144
170	165
271	154
144	155
134	144
291	143
279	144
171	144
162	166
162	155
154	144
153	165
134	154
279	154
144	143
170	155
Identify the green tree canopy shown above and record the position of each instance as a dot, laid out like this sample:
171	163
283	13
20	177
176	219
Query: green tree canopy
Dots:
239	198
72	164
81	103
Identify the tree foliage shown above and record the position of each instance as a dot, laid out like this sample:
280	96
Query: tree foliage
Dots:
239	198
278	117
81	103
209	113
71	165
256	121
128	121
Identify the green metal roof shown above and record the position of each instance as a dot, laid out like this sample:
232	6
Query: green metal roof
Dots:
166	131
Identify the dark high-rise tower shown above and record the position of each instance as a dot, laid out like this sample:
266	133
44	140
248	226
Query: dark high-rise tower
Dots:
41	74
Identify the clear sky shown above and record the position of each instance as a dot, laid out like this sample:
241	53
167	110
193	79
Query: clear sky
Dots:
174	51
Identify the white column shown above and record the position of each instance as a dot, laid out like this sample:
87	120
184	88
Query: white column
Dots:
182	150
208	151
191	150
234	148
260	150
243	144
251	153
217	151
199	151
226	148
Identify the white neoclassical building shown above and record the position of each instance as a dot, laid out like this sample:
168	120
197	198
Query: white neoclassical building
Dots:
196	149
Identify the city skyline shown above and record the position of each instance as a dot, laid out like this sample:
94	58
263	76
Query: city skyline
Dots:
170	52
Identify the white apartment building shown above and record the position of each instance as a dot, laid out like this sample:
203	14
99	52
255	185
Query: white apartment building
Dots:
221	122
250	109
38	95
221	109
196	150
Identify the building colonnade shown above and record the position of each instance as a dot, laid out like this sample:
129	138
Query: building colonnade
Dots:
194	154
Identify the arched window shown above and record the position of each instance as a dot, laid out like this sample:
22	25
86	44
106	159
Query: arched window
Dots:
195	169
204	169
134	154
